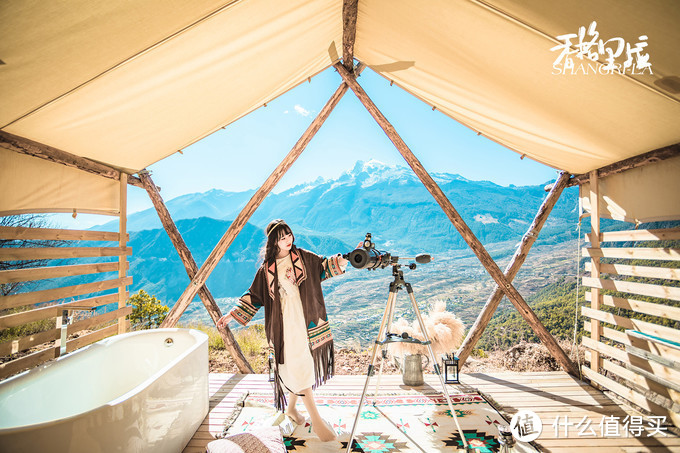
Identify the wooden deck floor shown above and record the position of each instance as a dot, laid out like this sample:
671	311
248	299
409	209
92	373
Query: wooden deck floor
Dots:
549	394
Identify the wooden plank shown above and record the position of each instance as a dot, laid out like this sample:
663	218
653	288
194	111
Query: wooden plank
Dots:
648	308
618	354
638	271
47	295
654	357
10	347
623	338
93	337
191	269
640	376
656	369
23	145
239	222
623	391
21	344
463	229
230	386
634	324
641	289
639	235
29	361
122	243
53	234
638	253
87	323
477	329
53	253
643	380
653	339
24	317
42	273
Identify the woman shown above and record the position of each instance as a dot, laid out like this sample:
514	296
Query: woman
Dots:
288	286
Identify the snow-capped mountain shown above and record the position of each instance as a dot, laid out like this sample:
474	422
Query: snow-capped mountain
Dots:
391	203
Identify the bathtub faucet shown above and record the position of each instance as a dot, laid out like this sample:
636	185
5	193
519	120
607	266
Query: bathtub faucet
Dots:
66	320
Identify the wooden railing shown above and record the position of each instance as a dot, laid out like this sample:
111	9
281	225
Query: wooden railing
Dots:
28	308
634	315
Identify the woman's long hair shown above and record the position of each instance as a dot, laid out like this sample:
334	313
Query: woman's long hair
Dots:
275	231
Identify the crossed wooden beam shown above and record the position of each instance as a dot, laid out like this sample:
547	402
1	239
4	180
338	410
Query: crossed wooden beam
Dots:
349	74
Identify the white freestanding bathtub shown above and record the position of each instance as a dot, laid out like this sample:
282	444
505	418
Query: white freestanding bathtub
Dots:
143	391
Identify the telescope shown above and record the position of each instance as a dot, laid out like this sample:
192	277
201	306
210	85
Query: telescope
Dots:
366	256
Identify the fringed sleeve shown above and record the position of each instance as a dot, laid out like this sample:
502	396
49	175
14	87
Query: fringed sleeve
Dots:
245	309
330	267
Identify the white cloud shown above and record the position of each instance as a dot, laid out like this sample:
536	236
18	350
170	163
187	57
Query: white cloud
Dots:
301	110
286	112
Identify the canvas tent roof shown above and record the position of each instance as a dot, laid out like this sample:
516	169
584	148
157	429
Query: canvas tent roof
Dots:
128	83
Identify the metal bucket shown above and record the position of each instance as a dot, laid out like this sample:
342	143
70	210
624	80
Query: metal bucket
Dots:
412	369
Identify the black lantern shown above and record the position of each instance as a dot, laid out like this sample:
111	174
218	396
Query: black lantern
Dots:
271	367
450	369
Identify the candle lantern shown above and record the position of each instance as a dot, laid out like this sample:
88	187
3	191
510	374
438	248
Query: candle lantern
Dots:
450	369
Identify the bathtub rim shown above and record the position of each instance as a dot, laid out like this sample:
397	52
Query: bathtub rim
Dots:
201	339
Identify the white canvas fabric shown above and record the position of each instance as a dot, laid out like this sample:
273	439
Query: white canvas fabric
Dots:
645	194
128	83
30	185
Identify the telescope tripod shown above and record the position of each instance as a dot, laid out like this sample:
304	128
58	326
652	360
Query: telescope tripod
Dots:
385	326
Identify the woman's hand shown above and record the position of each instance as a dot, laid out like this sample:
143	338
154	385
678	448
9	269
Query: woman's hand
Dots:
342	262
223	321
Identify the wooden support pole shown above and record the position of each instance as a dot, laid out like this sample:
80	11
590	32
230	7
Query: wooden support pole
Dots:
465	231
23	145
596	297
122	243
513	268
190	265
243	217
349	32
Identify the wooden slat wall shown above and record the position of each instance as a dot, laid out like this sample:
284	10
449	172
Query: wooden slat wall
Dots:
640	369
107	294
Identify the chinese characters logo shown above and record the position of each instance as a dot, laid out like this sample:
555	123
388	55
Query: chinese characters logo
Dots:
526	426
586	52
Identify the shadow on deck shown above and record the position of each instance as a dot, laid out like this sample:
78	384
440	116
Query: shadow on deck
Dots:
548	394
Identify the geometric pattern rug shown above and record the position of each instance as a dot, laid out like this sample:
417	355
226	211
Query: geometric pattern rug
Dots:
395	423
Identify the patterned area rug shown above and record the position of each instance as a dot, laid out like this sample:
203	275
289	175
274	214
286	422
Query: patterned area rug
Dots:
396	423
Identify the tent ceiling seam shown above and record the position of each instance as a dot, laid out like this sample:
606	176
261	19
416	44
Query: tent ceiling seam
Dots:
511	18
148	49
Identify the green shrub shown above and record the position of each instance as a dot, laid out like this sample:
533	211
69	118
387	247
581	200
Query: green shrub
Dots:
147	311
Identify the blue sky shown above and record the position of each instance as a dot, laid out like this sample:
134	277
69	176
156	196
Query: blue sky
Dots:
241	156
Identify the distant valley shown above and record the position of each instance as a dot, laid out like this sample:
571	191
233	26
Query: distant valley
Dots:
331	216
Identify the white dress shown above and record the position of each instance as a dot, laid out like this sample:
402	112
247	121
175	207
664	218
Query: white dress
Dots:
297	371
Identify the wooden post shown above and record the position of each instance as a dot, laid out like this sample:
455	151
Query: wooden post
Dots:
596	297
241	219
122	243
513	268
455	218
191	269
349	32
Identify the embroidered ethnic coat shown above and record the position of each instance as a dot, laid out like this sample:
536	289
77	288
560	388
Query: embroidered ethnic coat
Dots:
310	270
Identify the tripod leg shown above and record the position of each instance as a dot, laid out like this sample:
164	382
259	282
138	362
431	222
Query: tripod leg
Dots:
390	306
376	347
435	363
